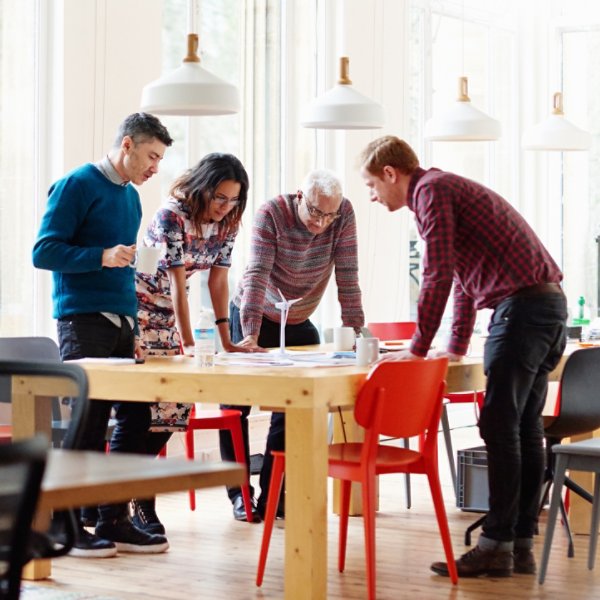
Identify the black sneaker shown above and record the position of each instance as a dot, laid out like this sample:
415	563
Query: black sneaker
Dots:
476	562
128	538
89	545
524	561
145	517
89	516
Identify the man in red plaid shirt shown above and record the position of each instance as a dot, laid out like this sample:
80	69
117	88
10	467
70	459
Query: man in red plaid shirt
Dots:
480	248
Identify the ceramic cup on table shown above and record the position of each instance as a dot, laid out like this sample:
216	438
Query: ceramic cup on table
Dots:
367	350
146	259
343	339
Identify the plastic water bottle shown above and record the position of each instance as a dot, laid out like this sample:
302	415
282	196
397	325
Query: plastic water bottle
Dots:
204	340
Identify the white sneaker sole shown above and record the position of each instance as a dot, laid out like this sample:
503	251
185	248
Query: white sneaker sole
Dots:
137	549
98	553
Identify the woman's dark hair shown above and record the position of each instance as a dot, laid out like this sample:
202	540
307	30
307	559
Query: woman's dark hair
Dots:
196	189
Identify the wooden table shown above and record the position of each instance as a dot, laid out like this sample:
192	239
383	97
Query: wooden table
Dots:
305	394
75	478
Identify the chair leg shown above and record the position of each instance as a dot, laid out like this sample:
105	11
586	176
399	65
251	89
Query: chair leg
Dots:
595	523
240	457
345	487
368	494
575	487
449	450
406	444
442	519
559	478
270	512
565	519
471	528
189	452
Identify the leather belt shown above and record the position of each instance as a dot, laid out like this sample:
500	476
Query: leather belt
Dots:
538	289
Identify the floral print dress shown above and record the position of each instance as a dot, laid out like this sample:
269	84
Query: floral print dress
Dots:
172	230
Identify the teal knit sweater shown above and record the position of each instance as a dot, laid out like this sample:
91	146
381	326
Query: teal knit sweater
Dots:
87	213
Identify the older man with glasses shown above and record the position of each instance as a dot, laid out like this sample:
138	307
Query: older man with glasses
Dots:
297	242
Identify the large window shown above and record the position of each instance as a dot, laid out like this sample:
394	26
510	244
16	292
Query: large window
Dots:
17	164
575	184
476	40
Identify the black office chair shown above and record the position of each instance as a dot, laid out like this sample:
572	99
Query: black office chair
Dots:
577	412
45	545
41	348
22	467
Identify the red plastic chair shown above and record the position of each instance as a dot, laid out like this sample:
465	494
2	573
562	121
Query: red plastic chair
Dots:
398	399
218	419
399	330
396	330
404	330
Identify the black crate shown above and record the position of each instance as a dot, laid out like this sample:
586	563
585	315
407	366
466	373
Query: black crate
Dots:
472	480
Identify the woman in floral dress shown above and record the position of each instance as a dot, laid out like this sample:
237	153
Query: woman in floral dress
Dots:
196	229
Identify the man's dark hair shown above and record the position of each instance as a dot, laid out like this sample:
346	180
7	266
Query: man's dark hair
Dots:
141	127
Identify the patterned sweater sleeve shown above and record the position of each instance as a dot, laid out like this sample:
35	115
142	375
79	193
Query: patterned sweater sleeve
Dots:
256	277
346	271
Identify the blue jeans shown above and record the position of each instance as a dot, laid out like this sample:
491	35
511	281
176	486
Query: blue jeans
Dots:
302	334
93	335
527	336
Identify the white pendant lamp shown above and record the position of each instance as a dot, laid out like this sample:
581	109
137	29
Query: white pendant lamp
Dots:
462	121
190	90
342	107
556	132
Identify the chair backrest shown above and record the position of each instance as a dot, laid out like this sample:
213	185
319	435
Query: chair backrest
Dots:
28	348
74	373
21	470
578	403
25	348
400	330
402	398
32	348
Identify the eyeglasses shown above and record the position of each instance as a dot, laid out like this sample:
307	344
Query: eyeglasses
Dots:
222	200
317	214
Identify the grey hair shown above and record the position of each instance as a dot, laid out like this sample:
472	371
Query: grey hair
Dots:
322	182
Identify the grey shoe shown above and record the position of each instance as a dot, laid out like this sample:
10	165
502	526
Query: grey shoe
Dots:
524	561
476	562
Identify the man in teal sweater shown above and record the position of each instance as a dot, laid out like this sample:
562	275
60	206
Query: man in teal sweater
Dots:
87	239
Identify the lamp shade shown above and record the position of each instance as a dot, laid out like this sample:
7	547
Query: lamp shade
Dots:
556	132
190	90
462	121
342	107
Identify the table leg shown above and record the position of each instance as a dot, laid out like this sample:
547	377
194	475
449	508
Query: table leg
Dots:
306	503
31	415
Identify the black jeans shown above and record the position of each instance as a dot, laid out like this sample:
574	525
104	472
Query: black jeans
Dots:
302	334
527	336
93	335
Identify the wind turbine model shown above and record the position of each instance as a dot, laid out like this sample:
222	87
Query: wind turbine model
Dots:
284	307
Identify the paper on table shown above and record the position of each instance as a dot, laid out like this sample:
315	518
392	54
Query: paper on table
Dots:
259	359
112	360
292	358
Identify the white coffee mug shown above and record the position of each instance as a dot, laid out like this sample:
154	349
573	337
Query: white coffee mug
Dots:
367	350
343	339
146	259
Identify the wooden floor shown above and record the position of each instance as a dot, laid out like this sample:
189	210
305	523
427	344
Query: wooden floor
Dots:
214	557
